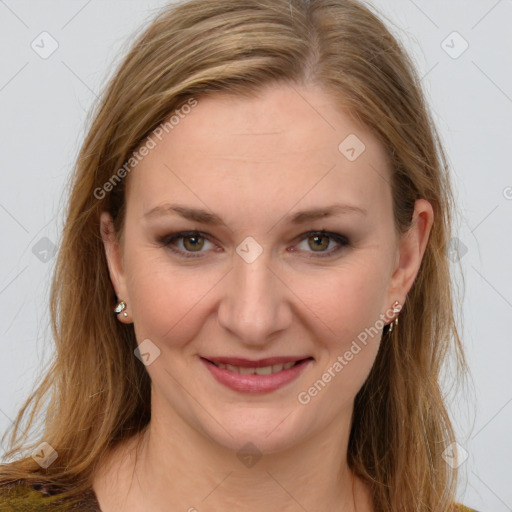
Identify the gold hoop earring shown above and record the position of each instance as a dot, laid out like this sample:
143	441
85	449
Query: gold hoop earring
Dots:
396	309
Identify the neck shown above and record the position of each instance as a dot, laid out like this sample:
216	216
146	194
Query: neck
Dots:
170	462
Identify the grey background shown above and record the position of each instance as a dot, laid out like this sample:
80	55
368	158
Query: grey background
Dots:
43	106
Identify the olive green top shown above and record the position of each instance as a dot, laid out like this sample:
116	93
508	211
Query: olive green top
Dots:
21	496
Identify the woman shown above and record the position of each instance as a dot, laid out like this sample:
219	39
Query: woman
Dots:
252	301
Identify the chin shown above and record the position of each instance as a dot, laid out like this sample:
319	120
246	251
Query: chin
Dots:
265	433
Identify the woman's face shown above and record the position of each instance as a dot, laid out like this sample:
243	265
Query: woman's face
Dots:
258	281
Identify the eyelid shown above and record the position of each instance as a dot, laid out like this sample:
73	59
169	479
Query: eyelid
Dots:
341	240
168	240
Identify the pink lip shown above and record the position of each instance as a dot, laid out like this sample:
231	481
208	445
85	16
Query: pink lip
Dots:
256	383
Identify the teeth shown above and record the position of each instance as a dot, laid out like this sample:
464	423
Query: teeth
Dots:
263	370
246	371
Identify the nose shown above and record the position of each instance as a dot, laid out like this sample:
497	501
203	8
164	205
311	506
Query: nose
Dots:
256	303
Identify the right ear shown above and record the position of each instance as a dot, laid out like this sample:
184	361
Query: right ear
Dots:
114	258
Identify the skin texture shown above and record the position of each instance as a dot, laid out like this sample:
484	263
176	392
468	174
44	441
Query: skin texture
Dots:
253	162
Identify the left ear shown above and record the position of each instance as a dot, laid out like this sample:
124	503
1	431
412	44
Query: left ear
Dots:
411	248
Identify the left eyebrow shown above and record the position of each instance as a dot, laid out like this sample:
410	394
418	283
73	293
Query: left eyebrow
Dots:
319	213
301	217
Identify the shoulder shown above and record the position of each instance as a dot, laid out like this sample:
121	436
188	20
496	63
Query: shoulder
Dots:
463	508
22	496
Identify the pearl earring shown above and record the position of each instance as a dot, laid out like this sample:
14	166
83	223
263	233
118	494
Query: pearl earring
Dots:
121	307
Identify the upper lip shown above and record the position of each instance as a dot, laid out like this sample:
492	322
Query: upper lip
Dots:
248	363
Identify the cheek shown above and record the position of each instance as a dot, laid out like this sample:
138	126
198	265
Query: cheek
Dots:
166	299
345	307
346	300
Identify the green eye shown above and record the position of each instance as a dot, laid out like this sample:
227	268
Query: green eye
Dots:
319	242
196	243
193	242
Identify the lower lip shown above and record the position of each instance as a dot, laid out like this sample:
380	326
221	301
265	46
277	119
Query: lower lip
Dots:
256	383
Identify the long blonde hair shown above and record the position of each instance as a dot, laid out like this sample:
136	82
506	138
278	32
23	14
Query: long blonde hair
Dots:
96	393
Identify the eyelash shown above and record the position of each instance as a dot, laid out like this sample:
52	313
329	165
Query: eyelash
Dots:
168	241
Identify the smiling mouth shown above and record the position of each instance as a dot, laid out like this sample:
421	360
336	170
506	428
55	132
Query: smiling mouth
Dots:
256	377
261	370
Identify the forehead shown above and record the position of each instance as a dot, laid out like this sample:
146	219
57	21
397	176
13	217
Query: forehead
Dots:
285	146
